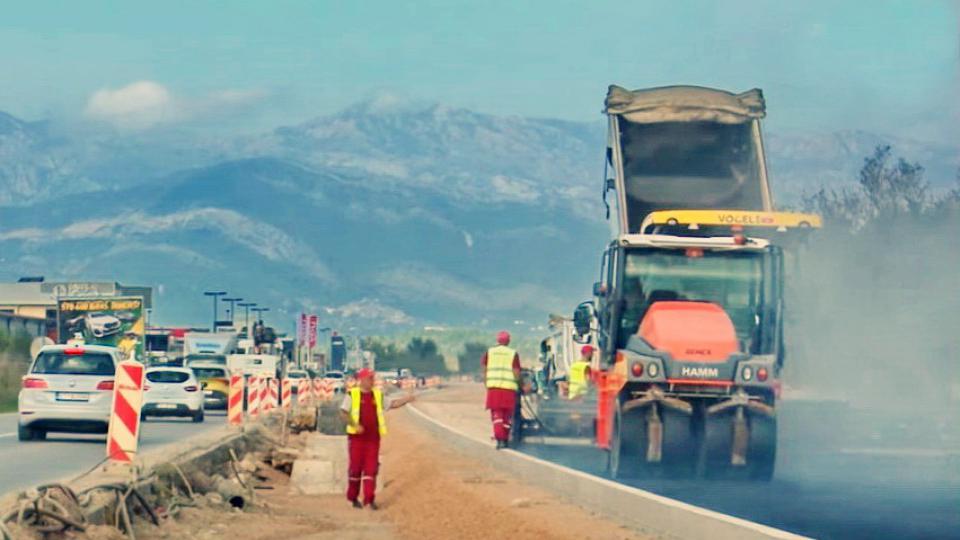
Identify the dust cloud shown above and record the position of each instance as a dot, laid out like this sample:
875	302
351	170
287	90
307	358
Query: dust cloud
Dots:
874	324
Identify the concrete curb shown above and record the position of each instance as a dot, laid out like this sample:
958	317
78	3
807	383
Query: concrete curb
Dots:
635	508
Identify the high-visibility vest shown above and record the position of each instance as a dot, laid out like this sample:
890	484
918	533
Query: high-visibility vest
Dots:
355	411
578	379
500	368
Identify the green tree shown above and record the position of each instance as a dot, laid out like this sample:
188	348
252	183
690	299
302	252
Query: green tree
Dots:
469	357
424	358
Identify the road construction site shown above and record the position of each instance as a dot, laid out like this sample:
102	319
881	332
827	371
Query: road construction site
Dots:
441	478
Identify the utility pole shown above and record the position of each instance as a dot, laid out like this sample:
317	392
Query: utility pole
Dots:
215	295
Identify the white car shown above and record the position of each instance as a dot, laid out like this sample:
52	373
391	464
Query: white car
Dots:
172	391
68	388
336	379
102	324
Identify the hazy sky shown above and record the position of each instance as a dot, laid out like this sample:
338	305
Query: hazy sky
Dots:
889	66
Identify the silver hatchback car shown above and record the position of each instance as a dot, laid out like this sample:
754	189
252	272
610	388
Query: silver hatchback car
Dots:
68	388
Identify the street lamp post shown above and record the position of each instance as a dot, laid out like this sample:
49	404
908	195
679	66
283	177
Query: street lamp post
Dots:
260	311
232	301
215	295
246	314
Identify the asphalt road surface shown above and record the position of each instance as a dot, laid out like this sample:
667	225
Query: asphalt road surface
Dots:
64	455
837	478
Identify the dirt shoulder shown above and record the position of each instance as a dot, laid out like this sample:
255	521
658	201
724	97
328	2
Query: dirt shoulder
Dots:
430	492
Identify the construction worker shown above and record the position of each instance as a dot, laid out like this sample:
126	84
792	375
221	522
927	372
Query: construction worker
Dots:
501	376
579	377
362	410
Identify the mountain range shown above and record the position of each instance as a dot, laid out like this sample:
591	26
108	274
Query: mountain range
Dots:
381	216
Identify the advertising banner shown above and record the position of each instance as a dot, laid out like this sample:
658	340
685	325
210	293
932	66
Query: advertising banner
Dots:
114	322
302	330
312	331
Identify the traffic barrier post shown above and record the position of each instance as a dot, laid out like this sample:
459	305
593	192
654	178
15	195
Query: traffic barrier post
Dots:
264	395
318	390
286	394
235	399
274	394
123	433
253	397
303	393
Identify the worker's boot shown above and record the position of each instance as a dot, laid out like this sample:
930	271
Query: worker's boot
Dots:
373	506
499	444
356	504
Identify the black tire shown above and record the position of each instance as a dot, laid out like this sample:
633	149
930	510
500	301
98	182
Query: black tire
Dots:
715	447
680	445
198	416
143	417
39	434
628	445
25	433
762	452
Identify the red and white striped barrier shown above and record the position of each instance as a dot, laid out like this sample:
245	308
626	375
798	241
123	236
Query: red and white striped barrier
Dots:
318	389
265	395
408	384
253	396
328	390
274	393
124	431
303	392
286	394
235	399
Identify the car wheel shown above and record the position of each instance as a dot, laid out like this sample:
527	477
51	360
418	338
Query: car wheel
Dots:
198	416
143	417
24	433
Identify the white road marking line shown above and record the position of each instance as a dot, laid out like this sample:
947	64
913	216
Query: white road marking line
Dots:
11	434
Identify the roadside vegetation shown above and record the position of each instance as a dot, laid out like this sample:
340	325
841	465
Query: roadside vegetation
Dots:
14	360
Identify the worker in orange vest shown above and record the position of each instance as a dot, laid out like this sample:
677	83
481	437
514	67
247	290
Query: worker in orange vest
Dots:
362	410
501	376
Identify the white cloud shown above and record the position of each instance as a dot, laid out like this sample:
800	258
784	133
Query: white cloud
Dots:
138	105
512	189
145	104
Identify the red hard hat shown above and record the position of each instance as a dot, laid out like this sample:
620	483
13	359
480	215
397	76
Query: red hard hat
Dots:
365	373
503	338
586	350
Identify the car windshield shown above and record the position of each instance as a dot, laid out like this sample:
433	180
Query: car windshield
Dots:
209	372
296	375
173	377
87	363
732	280
334	375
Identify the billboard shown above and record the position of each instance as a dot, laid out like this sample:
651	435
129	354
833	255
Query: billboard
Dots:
114	322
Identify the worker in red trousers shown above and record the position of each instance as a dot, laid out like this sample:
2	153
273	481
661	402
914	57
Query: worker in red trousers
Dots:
501	376
362	410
